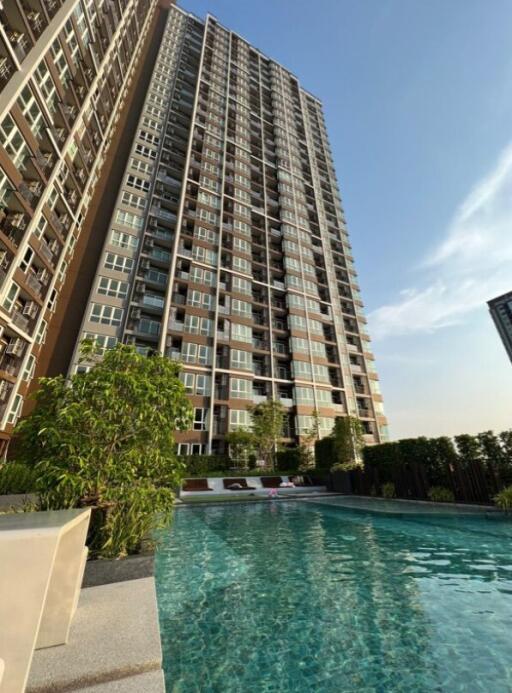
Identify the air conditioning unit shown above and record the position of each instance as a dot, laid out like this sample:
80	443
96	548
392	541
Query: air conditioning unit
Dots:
135	313
42	274
15	346
145	263
140	287
130	339
150	243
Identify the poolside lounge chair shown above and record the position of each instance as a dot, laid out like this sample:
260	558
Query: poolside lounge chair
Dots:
238	484
196	485
271	481
301	480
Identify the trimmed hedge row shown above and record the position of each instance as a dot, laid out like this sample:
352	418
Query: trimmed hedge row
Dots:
472	468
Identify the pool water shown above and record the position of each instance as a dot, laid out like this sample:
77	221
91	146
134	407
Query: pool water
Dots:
317	596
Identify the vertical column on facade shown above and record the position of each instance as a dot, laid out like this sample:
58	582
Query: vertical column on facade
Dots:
214	424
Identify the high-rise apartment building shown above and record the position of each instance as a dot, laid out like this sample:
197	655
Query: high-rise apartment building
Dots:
501	312
66	68
228	248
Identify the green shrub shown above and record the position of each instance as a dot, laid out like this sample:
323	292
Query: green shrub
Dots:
105	439
203	465
325	455
291	458
440	494
388	490
504	499
16	477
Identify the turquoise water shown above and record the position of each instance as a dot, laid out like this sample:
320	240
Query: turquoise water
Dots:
312	596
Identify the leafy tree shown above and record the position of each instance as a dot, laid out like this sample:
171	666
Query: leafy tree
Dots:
493	456
468	448
348	442
267	428
506	443
105	438
241	445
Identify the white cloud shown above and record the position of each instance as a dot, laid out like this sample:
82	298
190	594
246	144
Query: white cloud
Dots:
471	265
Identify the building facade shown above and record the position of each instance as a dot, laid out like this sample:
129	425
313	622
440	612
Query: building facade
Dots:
501	312
228	248
66	67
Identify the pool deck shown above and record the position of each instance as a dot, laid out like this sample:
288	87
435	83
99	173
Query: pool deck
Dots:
114	645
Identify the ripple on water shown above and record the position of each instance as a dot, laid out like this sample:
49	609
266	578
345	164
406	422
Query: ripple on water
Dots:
301	597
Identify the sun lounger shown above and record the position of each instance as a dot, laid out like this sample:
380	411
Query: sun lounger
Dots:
237	485
271	481
196	485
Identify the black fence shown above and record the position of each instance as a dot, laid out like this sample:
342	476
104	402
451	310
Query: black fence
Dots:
469	483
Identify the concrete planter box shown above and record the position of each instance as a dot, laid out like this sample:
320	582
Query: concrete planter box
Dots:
107	571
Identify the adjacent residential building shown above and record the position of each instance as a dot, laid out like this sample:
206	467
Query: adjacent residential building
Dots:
501	312
228	248
66	68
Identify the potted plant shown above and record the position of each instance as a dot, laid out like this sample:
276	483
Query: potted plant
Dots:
105	439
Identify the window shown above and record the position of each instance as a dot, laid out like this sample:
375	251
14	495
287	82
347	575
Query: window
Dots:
196	353
302	370
241	360
200	419
129	219
112	287
304	395
241	308
11	296
106	315
137	183
240	264
27	259
297	322
41	332
318	349
124	240
321	373
28	371
301	345
133	200
151	327
196	325
324	398
119	263
241	333
241	245
15	410
205	235
239	418
240	388
13	142
141	166
196	383
147	137
199	299
146	152
198	275
241	285
242	227
102	341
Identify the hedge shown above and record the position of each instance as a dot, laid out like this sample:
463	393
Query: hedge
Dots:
17	478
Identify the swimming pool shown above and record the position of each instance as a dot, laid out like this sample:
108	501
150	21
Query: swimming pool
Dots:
315	596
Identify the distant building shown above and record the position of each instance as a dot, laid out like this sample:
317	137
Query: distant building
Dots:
501	312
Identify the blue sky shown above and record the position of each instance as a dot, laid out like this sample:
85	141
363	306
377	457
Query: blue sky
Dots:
418	104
